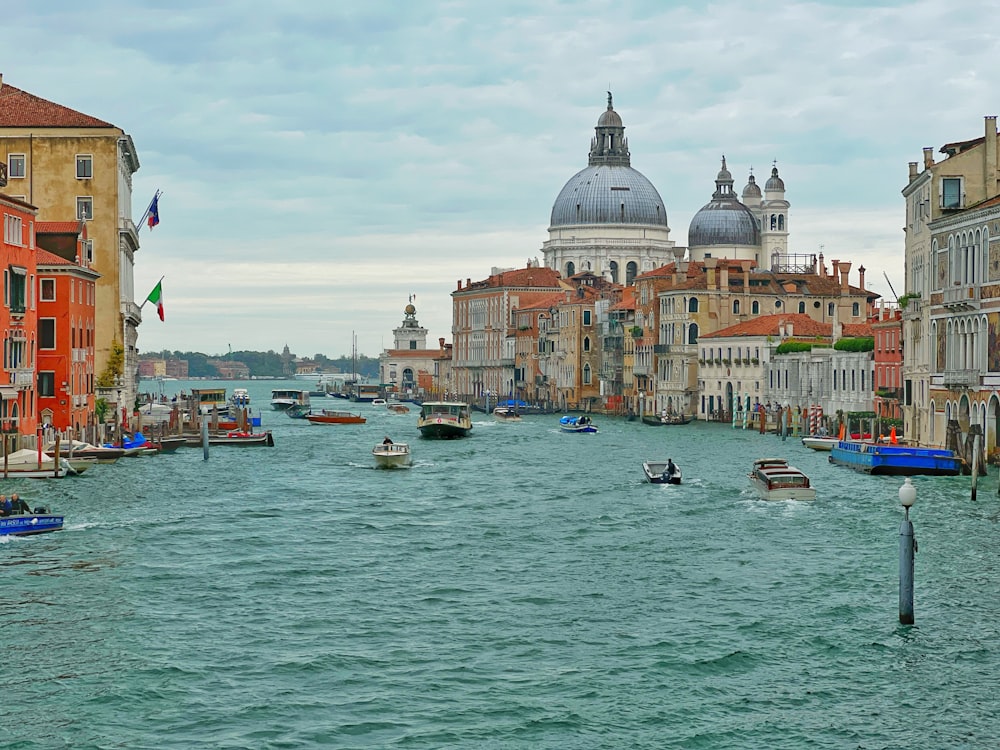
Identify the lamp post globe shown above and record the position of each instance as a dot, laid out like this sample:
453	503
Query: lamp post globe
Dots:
907	494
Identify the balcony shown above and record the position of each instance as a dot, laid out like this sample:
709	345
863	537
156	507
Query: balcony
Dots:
961	298
960	378
22	377
661	348
645	370
913	309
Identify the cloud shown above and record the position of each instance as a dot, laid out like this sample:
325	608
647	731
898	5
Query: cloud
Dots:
321	161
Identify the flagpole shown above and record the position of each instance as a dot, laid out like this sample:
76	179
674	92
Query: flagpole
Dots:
147	296
142	219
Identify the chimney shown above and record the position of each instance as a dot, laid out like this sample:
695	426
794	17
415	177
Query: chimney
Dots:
990	157
441	343
928	157
710	265
845	269
913	171
724	277
746	276
861	274
834	269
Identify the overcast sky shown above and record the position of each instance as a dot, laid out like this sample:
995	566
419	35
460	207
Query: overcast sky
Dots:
321	161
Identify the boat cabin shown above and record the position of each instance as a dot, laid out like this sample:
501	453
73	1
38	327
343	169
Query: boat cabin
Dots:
206	399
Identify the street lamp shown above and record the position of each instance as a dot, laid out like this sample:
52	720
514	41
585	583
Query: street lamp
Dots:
907	549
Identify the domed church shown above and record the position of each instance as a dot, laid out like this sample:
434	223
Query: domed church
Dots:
752	229
608	219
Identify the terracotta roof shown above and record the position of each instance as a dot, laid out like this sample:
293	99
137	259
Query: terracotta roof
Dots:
45	258
546	302
19	109
859	330
627	301
769	325
412	353
61	227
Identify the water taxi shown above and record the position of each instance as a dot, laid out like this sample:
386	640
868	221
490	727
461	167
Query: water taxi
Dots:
329	416
283	398
391	455
774	479
444	419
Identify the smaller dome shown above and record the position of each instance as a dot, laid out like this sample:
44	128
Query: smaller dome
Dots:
609	119
410	309
752	190
774	182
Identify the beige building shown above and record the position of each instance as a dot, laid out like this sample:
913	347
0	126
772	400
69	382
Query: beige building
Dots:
74	166
951	308
407	368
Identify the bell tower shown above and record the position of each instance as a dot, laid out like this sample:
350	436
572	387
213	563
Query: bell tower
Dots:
410	335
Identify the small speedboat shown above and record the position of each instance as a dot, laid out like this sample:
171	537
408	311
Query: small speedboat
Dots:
23	521
656	472
506	414
392	455
577	424
819	442
329	416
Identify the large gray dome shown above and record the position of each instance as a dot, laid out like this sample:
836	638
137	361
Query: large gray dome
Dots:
608	195
724	220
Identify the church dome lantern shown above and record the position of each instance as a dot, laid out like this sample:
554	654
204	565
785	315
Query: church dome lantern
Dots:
724	220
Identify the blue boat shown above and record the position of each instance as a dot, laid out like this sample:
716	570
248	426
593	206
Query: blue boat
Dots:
23	524
577	424
896	460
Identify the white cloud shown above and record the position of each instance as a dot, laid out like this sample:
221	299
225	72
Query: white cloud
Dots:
322	161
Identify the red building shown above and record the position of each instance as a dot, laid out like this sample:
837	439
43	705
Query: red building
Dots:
887	328
18	415
66	295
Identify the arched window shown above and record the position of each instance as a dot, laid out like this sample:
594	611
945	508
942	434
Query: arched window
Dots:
586	374
570	269
693	333
586	343
829	309
631	271
802	307
736	307
774	221
781	221
693	304
856	309
614	271
755	307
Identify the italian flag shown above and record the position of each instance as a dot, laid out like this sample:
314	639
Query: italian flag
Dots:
156	297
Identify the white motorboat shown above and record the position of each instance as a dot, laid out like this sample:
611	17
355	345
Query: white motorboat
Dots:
774	479
819	442
444	419
392	455
506	414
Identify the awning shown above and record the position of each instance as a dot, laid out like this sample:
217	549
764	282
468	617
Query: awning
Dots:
8	394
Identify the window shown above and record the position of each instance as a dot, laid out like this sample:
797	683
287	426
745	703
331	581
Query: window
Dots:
47	384
570	269
586	317
88	250
829	309
13	230
736	307
755	307
85	208
951	192
586	375
84	166
48	293
802	307
856	309
15	165
693	305
46	333
586	343
14	289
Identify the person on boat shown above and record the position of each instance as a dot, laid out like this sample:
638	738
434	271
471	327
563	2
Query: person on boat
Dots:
6	506
20	506
387	441
671	468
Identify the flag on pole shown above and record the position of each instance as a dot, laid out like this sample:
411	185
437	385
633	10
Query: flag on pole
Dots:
156	297
154	214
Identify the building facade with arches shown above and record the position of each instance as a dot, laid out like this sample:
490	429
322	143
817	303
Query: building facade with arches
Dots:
951	308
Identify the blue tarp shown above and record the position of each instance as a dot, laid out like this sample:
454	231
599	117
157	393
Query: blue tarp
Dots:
514	403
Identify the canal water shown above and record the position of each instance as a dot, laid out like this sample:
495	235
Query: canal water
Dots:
522	588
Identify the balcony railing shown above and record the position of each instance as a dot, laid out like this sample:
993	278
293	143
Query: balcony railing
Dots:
913	309
960	378
22	377
961	298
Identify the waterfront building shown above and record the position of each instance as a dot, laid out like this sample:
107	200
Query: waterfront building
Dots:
617	355
686	300
18	320
744	361
887	330
533	351
409	363
75	167
66	297
483	327
951	305
608	218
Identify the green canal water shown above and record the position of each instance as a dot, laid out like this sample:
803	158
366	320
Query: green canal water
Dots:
522	588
